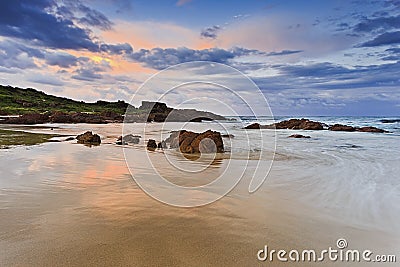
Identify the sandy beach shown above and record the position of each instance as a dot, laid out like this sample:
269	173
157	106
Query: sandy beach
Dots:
67	204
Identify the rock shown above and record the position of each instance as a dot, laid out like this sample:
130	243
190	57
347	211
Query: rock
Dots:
253	126
151	144
69	139
390	120
340	127
32	118
162	145
89	138
190	142
371	129
128	139
299	136
227	136
297	124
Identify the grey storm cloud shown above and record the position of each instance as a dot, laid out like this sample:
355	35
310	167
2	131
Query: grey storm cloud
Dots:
210	32
28	20
55	25
387	38
159	58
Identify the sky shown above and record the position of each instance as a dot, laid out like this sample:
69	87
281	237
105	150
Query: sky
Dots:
307	57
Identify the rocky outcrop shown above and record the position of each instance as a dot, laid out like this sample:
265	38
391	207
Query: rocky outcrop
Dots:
294	124
27	119
151	144
62	117
343	128
299	136
160	112
346	128
298	124
371	129
191	142
89	138
305	124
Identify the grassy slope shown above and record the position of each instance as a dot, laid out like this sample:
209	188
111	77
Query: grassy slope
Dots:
15	100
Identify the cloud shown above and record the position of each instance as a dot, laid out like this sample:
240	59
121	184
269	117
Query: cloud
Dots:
183	2
61	59
210	32
387	23
284	52
45	79
77	12
117	49
92	71
15	55
159	58
29	21
386	38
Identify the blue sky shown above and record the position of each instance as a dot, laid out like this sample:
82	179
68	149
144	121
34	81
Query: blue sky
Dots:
307	57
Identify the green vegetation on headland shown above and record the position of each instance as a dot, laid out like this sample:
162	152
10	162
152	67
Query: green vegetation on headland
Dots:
17	101
37	107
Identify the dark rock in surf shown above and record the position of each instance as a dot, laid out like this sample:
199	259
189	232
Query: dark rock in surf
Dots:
89	138
299	136
128	139
151	144
342	128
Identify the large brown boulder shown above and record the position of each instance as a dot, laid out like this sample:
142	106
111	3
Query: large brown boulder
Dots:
191	142
89	138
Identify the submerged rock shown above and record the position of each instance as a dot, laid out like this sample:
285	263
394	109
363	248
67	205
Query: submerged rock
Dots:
191	142
299	136
89	138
